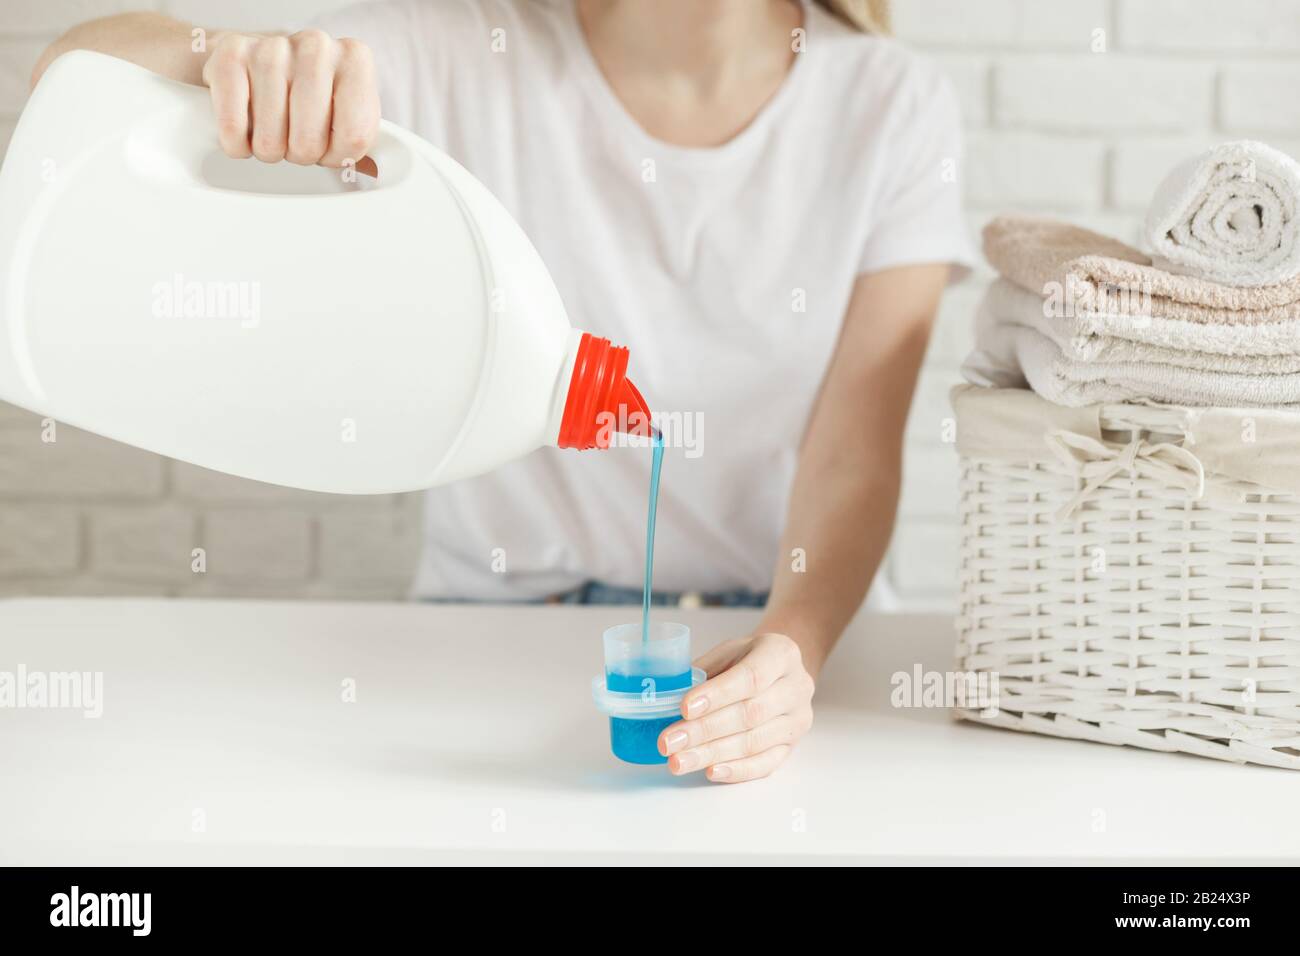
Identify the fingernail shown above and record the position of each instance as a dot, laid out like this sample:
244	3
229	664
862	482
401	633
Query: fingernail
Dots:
675	741
696	706
687	762
720	772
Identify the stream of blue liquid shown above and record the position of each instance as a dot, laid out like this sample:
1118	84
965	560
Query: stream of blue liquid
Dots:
637	741
656	463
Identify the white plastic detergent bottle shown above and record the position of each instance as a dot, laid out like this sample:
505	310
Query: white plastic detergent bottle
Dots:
304	326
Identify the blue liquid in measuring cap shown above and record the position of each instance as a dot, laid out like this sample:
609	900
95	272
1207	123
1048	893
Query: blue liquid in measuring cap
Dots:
637	741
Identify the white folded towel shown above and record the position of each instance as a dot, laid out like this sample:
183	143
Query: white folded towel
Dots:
1229	215
1086	335
1017	344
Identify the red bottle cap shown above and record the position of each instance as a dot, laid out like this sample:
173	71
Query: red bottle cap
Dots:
601	399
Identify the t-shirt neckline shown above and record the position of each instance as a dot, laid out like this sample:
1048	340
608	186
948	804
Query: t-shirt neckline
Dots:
651	146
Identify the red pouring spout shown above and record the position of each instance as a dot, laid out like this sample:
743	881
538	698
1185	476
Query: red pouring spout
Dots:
601	398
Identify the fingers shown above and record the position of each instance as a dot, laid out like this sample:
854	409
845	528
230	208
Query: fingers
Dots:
306	98
356	106
789	695
268	70
770	656
742	723
226	74
750	768
783	730
311	93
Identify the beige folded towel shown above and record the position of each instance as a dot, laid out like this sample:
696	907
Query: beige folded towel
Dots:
1082	336
1044	255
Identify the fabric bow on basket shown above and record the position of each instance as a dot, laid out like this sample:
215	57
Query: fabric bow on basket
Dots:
1095	463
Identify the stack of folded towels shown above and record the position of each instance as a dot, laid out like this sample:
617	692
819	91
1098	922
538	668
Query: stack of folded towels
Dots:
1211	317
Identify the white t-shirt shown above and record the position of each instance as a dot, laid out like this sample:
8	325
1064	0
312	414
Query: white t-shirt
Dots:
726	271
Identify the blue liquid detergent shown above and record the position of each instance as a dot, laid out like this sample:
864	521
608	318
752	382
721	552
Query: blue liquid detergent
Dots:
637	741
656	463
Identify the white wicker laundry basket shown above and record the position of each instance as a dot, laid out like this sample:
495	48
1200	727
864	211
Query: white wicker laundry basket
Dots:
1131	573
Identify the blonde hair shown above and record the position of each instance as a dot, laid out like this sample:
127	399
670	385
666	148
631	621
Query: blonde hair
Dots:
869	16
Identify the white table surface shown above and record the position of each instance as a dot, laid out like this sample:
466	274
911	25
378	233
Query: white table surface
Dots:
473	739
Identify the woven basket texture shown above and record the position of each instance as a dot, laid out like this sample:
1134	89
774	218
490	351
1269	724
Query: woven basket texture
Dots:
1122	595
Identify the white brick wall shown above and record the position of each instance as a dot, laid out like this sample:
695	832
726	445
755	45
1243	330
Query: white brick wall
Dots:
1260	96
1100	93
1073	108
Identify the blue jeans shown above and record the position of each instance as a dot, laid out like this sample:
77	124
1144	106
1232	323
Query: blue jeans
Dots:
594	592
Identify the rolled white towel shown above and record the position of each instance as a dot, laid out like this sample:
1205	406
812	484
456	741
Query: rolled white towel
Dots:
1229	215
